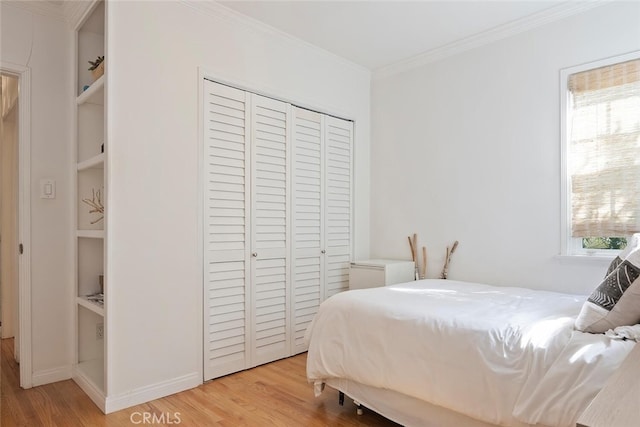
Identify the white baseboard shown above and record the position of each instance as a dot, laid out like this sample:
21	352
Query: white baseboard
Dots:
152	392
51	375
94	392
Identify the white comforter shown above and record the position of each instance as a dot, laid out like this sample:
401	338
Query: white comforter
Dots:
497	354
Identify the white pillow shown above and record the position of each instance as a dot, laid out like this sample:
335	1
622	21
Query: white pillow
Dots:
616	301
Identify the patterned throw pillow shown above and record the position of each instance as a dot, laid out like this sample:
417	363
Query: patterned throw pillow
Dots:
632	244
616	301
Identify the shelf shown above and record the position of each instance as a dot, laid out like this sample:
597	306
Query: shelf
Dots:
93	95
91	234
90	305
95	162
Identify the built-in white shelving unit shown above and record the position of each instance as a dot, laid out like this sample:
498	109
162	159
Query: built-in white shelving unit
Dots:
94	94
91	234
91	305
90	237
92	163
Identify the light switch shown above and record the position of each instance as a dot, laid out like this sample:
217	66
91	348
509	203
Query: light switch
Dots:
47	189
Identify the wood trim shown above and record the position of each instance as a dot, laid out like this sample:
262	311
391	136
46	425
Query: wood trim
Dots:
251	25
48	376
154	391
501	32
44	8
24	219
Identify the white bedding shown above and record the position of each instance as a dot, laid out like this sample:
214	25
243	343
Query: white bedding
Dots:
497	354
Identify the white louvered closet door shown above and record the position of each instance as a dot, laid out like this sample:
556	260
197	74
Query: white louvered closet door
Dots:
226	228
338	139
270	267
307	222
277	224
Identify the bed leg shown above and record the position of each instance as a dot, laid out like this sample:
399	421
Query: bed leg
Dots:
358	407
341	398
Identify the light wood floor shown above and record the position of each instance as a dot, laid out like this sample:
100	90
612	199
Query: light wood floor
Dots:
276	394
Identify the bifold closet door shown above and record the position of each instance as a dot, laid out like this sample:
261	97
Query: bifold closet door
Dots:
322	149
277	224
247	230
307	221
338	198
226	226
270	267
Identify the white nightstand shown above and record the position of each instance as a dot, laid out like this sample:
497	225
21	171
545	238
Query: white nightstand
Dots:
373	273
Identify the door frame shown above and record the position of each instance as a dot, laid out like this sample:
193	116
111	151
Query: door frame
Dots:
24	218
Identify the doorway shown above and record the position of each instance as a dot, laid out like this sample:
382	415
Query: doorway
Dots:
9	118
15	214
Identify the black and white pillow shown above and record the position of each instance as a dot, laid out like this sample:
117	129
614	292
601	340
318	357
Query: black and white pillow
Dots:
616	301
633	243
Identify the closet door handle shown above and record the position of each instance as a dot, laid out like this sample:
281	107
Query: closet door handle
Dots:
323	251
254	254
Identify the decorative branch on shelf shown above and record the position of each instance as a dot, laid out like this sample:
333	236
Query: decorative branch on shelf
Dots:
97	67
447	260
95	64
96	204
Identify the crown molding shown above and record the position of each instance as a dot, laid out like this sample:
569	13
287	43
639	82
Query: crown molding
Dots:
70	12
44	8
225	14
74	11
527	23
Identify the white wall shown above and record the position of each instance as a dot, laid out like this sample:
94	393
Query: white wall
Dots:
43	45
468	149
154	260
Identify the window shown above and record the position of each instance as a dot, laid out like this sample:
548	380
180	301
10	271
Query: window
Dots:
601	155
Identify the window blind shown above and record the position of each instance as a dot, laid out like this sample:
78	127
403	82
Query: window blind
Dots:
604	150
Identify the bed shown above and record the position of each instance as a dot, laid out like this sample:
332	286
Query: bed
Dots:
445	352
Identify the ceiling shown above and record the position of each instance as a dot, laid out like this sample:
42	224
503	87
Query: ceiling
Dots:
376	34
386	35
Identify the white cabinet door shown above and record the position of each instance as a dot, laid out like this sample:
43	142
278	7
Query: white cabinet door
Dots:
307	221
338	203
270	322
226	230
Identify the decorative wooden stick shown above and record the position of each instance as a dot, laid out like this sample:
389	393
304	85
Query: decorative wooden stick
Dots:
423	272
413	244
415	248
413	252
417	260
447	260
96	204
